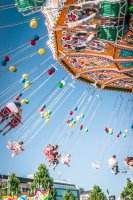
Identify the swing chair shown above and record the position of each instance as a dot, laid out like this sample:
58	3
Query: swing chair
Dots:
29	7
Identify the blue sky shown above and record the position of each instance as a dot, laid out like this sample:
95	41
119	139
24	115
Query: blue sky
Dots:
84	147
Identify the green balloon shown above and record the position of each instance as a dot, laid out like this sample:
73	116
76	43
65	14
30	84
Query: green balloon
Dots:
27	82
60	85
15	70
27	101
49	112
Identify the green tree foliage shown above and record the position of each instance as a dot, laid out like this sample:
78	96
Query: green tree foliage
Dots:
97	194
128	191
43	180
68	195
11	186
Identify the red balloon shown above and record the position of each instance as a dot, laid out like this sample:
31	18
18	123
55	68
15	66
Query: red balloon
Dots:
6	58
81	126
32	42
71	112
17	98
117	135
41	109
106	129
68	121
50	72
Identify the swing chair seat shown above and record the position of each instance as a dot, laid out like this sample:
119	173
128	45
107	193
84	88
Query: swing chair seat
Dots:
14	122
28	7
5	112
113	9
110	33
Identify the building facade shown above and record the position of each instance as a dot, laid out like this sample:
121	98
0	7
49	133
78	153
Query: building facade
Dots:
59	185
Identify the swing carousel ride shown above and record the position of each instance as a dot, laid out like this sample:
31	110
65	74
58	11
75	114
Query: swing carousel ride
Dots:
93	42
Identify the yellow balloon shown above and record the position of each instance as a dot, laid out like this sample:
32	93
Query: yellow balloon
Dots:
26	86
71	125
23	101
47	120
126	131
46	114
25	76
33	23
41	51
12	68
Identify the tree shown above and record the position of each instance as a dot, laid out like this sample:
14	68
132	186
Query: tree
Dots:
68	195
11	186
128	191
42	180
97	194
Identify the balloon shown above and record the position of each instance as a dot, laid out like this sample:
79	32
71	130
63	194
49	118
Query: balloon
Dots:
15	70
71	112
36	37
32	42
46	114
78	118
60	85
6	58
86	130
41	51
20	95
43	106
12	68
33	23
106	129
50	72
49	112
132	126
75	109
23	101
63	82
74	122
41	109
82	115
117	135
47	120
23	80
81	126
53	69
17	98
71	125
68	121
26	86
27	82
124	135
71	119
25	76
3	63
126	131
120	132
27	101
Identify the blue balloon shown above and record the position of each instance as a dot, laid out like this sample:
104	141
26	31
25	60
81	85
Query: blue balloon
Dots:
23	80
53	69
3	63
36	37
20	95
43	106
132	126
120	132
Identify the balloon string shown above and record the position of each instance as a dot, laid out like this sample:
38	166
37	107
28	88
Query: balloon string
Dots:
51	115
19	23
59	130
